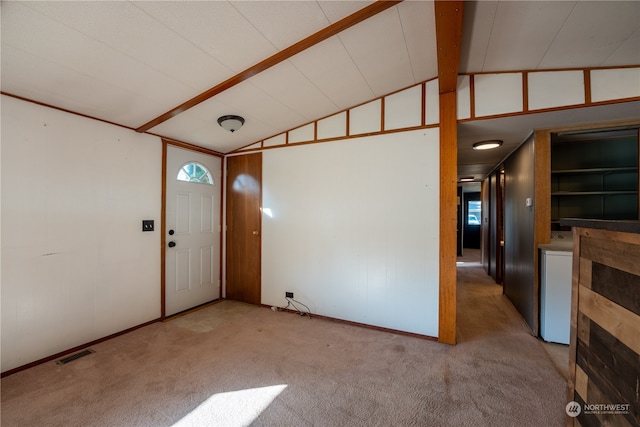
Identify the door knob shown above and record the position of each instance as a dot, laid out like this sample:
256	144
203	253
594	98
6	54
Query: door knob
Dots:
172	244
255	232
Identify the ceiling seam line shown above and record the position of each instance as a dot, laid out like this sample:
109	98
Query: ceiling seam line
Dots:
406	46
556	35
620	46
183	38
93	39
355	64
312	83
256	28
486	49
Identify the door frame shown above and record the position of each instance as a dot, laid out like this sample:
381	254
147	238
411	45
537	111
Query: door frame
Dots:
163	213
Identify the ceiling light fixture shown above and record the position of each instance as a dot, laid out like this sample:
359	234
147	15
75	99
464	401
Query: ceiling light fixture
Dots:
487	145
466	179
231	122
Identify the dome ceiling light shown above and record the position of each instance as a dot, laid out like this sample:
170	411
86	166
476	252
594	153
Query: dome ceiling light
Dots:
487	145
231	122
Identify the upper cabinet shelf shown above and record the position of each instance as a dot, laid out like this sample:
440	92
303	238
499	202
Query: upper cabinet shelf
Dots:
592	193
595	175
595	170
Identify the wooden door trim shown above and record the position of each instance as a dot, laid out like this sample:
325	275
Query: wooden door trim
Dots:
223	204
541	211
163	232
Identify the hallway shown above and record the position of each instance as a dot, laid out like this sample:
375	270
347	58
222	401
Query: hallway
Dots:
484	312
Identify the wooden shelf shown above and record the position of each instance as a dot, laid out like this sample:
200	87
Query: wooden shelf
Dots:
594	176
591	193
604	171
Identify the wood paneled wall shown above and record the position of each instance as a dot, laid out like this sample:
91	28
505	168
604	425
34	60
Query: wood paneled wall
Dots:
519	244
604	353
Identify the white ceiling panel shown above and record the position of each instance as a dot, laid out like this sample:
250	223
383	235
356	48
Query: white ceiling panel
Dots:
527	35
54	84
199	126
336	10
191	127
592	33
217	28
476	33
264	117
102	68
329	66
517	24
419	26
627	54
250	101
284	23
381	56
286	84
131	31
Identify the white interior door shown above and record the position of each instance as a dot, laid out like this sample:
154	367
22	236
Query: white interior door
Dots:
192	255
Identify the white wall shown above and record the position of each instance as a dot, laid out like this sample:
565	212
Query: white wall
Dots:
354	229
75	264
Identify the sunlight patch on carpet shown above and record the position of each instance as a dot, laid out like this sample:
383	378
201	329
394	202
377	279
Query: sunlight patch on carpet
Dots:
234	408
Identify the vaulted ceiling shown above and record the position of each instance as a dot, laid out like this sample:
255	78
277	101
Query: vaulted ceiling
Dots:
171	68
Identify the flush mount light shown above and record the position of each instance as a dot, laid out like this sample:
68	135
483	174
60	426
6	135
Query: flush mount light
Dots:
487	145
466	179
231	122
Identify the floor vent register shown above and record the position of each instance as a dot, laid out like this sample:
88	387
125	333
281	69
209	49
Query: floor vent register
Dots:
76	356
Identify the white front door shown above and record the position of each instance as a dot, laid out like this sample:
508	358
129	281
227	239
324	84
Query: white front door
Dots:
192	254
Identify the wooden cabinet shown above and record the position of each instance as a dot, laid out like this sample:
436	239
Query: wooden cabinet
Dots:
604	352
594	175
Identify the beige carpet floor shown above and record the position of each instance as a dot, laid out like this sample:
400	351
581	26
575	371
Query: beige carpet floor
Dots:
234	364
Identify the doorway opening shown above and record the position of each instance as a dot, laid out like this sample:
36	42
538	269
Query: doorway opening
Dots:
472	220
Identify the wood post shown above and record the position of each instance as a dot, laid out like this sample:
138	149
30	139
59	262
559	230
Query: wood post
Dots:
448	39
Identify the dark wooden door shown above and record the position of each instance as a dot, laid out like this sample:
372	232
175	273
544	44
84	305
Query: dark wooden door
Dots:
500	212
244	195
496	226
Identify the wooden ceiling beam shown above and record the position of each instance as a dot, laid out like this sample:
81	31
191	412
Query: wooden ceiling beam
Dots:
330	31
448	41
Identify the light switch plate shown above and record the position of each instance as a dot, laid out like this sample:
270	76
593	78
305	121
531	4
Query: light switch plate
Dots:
147	225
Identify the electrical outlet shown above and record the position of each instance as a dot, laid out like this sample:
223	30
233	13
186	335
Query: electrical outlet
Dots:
288	294
147	225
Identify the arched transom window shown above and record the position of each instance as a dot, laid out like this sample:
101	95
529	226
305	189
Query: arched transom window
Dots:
195	172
